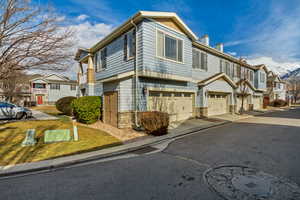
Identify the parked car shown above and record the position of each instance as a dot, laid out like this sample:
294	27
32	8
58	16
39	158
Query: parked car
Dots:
12	111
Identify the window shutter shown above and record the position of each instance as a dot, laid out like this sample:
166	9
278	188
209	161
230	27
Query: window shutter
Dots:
180	51
133	41
125	47
221	65
160	44
103	58
205	61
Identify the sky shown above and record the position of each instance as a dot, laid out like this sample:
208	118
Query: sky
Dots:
262	31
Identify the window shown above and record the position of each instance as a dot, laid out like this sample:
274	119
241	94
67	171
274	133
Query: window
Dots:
238	71
251	75
129	45
73	87
222	66
227	68
54	86
154	94
169	47
199	60
262	77
39	85
100	58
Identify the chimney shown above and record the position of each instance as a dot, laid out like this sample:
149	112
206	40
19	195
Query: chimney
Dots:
220	47
204	39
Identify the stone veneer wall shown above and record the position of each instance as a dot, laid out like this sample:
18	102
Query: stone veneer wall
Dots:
125	119
201	112
232	108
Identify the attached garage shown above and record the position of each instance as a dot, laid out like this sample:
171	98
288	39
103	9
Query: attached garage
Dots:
257	102
179	105
239	103
217	104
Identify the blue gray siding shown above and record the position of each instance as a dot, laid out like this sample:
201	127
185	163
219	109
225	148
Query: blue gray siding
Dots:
153	63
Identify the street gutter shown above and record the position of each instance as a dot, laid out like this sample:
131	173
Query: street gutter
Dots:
46	165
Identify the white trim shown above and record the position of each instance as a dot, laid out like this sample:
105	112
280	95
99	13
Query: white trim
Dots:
152	74
165	26
173	36
116	77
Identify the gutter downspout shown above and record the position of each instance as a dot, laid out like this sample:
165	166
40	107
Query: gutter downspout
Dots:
136	76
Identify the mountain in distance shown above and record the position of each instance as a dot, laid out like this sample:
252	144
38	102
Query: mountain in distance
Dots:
292	73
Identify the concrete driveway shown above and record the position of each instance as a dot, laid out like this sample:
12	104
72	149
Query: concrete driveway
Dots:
270	143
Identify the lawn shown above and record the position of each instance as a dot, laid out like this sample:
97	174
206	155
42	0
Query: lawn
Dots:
51	110
12	135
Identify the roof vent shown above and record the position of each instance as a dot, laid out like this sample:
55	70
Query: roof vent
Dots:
220	47
204	39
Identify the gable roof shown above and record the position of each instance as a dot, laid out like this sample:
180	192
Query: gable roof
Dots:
262	66
216	77
248	83
137	18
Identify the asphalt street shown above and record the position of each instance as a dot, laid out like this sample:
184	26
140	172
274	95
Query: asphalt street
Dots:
269	142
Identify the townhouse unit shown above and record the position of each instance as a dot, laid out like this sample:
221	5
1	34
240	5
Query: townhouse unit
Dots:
277	88
47	89
154	61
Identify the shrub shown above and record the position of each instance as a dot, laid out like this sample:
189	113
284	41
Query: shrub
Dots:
154	123
278	103
87	109
64	105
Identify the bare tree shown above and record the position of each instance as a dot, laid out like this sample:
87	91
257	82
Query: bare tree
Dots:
294	88
243	93
14	85
31	38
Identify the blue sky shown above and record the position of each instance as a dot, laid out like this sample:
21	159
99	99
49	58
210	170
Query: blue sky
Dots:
263	31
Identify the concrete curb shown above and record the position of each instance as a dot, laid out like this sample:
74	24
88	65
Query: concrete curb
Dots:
6	171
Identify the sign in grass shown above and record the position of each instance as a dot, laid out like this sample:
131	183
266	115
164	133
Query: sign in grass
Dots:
29	138
62	135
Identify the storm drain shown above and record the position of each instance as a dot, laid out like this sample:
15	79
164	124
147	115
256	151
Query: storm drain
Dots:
144	150
239	182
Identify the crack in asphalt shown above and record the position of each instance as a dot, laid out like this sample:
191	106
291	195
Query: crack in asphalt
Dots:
187	159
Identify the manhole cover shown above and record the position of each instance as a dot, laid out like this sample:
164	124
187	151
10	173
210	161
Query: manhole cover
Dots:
239	182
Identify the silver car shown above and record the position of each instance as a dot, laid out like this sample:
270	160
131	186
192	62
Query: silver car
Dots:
12	111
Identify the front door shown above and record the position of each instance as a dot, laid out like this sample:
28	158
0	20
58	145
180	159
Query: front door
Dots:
111	108
39	99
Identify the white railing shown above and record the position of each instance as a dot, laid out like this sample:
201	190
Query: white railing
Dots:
39	90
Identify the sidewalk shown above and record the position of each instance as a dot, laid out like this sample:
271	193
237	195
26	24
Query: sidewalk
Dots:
175	131
38	115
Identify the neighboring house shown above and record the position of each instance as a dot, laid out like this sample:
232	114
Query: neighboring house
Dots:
48	89
155	62
276	87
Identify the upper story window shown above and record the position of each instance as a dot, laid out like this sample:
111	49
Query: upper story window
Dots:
262	77
39	85
225	67
129	45
251	75
100	58
54	86
169	47
199	60
73	87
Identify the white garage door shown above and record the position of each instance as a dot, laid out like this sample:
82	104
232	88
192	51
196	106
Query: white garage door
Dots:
179	105
217	104
257	102
239	103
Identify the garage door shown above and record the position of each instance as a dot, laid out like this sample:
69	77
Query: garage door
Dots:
217	104
179	105
257	102
239	103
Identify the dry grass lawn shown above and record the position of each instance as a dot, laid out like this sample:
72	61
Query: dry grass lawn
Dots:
12	135
51	110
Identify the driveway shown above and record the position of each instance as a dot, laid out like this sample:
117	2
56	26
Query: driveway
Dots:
270	143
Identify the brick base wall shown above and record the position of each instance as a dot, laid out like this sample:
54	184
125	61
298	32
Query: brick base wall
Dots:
251	107
201	112
232	108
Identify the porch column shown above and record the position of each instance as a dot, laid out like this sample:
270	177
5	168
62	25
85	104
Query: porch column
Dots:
90	70
90	76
